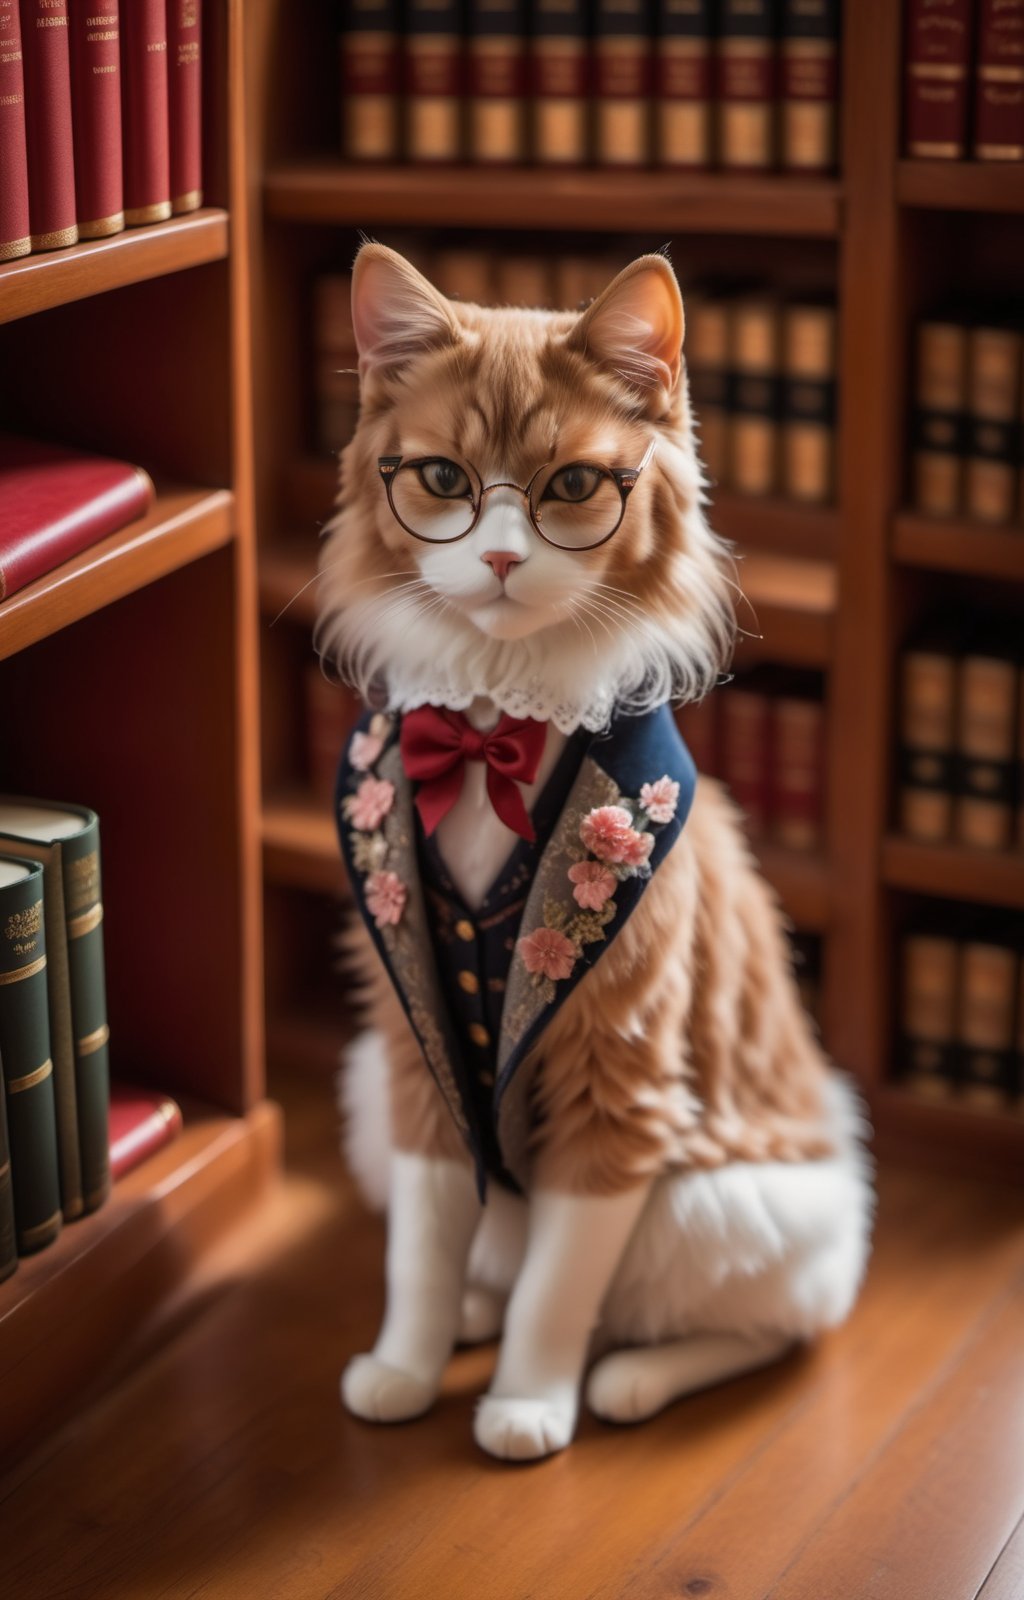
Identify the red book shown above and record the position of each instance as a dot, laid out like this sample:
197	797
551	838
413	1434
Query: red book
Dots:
433	80
141	1121
96	104
14	219
798	746
938	59
51	164
371	67
999	103
147	173
623	73
57	502
745	751
747	83
185	102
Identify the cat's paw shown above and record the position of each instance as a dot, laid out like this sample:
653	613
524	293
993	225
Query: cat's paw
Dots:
523	1430
379	1393
481	1316
619	1389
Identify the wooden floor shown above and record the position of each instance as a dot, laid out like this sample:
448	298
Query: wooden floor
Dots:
887	1463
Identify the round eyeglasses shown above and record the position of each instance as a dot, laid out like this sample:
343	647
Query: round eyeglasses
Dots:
574	507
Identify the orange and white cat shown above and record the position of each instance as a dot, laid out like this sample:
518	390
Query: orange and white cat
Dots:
693	1196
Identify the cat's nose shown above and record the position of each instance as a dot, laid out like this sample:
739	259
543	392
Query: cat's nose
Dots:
501	561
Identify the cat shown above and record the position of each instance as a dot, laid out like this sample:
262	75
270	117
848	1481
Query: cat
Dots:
656	1181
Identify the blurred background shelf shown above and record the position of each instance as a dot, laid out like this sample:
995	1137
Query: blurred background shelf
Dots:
787	611
996	186
772	523
300	845
968	547
957	872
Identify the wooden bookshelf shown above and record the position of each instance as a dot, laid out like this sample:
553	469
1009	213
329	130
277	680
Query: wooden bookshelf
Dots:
300	845
990	877
961	185
972	548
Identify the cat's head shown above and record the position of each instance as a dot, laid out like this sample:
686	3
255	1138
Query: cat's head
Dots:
440	580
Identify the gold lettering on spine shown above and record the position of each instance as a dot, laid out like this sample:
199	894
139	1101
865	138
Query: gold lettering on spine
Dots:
23	972
29	1236
93	1041
79	926
29	1081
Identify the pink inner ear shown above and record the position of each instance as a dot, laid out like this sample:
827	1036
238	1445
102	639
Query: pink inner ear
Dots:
395	312
637	329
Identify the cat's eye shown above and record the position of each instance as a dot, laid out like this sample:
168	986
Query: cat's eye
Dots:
444	478
575	483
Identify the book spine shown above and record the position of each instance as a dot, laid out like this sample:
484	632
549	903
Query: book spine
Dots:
929	1013
371	80
798	738
698	724
809	402
337	394
938	60
990	488
985	1031
746	81
683	83
28	1065
986	750
464	275
707	362
745	734
147	173
622	83
559	82
941	398
96	107
753	464
83	905
927	744
523	281
433	69
185	103
496	78
8	1237
15	227
999	85
140	1124
809	84
48	127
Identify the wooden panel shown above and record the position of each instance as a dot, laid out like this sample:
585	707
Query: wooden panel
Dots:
967	547
1006	1580
949	1134
994	877
961	185
787	610
300	845
801	880
776	524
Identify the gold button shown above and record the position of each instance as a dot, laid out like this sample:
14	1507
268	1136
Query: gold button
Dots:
468	982
479	1035
464	930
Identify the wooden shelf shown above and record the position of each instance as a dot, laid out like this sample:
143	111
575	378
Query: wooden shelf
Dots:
974	548
948	1133
785	527
55	277
182	525
800	878
961	185
300	845
994	878
327	191
790	610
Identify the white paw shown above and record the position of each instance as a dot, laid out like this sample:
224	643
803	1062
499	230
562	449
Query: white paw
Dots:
619	1390
523	1430
482	1315
379	1393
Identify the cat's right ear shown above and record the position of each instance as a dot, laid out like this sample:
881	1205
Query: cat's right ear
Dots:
396	313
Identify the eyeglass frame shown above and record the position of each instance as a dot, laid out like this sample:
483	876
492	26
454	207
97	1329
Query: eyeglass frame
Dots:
624	478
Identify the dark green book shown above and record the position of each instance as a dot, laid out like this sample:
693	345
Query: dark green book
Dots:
30	1120
66	839
8	1243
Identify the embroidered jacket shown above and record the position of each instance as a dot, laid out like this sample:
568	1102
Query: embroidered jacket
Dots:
623	812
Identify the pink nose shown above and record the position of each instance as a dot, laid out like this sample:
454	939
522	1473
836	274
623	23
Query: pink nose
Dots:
501	561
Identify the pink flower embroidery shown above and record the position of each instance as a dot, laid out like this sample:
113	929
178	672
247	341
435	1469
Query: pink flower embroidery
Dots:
370	804
548	952
660	799
638	850
607	832
385	897
364	750
594	884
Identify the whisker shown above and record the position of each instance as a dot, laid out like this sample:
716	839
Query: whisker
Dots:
382	577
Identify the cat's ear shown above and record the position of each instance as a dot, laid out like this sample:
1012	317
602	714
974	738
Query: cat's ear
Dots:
396	313
635	329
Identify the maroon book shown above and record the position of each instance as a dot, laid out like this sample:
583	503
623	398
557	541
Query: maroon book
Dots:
938	59
147	175
57	502
14	219
745	750
185	102
51	164
141	1121
999	97
747	83
96	105
798	734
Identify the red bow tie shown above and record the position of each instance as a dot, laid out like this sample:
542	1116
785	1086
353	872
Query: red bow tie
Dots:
436	746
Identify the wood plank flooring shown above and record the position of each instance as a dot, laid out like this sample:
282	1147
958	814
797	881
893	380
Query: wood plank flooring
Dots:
886	1464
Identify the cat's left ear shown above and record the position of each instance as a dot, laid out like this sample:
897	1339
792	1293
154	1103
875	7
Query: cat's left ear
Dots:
635	329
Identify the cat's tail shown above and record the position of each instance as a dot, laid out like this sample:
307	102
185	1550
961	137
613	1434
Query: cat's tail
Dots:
362	1097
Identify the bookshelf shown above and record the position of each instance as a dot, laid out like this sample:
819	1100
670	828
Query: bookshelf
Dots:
129	677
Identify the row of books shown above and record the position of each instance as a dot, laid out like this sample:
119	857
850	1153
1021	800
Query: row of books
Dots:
968	426
100	118
749	84
964	79
961	748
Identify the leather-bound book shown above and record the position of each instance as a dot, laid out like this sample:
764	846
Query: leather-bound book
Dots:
985	1032
745	748
623	73
706	348
96	104
433	80
809	84
496	78
141	1122
371	80
145	126
15	236
993	404
746	74
928	733
808	402
937	54
698	724
185	103
48	126
986	741
559	81
798	767
683	88
56	502
8	1241
755	393
928	1016
31	1110
66	840
999	84
940	403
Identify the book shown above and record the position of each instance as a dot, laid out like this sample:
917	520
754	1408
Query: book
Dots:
371	76
622	83
940	402
145	126
337	394
464	274
993	402
683	83
58	501
141	1122
706	348
66	840
96	114
8	1240
928	1014
332	314
746	83
808	84
937	68
698	724
559	81
808	402
580	279
986	741
745	748
985	1032
928	735
433	80
797	778
48	126
15	228
31	1111
999	82
754	362
185	103
496	68
522	281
